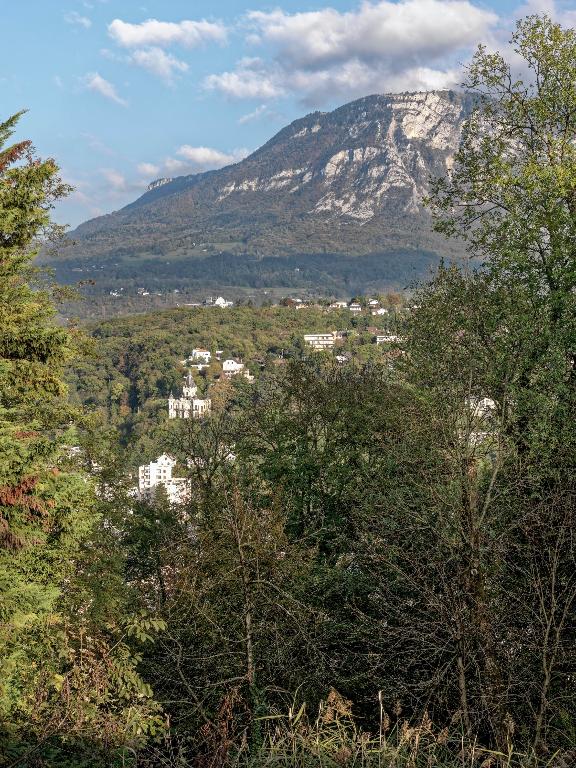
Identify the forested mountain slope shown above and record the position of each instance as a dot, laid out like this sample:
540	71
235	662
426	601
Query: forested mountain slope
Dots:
349	181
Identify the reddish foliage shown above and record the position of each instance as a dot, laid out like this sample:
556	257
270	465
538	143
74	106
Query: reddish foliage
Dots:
9	540
20	496
13	154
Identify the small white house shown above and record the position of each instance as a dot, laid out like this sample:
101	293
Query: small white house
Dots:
355	307
387	339
201	355
481	407
231	368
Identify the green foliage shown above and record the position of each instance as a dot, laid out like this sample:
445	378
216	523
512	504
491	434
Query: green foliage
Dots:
68	676
398	527
189	279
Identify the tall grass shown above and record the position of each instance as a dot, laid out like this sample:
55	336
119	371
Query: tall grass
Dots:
333	739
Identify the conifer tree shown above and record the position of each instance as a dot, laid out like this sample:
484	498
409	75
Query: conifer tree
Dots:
67	672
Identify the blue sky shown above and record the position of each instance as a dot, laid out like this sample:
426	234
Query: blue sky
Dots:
123	91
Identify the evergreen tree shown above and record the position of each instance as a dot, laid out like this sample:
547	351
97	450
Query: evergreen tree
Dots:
68	674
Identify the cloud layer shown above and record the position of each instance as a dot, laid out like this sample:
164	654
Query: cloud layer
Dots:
379	46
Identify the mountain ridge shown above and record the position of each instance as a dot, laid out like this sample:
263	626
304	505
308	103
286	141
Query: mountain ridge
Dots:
347	183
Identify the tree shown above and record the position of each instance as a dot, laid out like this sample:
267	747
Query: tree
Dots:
68	672
506	332
511	194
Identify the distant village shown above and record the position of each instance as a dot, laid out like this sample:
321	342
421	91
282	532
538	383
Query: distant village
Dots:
356	305
189	405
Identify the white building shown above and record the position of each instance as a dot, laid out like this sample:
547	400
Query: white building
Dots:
482	407
379	311
159	474
355	307
320	340
338	305
387	339
232	368
221	302
200	355
188	405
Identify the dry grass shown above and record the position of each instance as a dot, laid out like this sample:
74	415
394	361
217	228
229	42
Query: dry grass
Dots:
333	739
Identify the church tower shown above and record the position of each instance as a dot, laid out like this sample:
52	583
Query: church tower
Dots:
189	389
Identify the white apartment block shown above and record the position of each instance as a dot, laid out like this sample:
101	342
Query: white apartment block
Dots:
159	474
320	340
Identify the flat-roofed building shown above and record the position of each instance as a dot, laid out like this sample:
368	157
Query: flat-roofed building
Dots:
320	340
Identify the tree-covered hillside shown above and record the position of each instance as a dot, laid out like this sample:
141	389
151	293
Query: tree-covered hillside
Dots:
370	561
333	202
133	364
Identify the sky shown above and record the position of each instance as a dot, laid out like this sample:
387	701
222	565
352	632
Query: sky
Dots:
121	92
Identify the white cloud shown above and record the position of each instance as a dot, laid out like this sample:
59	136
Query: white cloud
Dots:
95	82
148	169
77	19
176	167
379	46
115	179
191	159
162	64
423	28
209	158
256	114
252	79
166	33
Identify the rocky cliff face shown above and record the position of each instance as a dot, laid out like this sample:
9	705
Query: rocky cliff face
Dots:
361	155
347	181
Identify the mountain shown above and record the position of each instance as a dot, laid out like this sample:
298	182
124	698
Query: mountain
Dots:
343	183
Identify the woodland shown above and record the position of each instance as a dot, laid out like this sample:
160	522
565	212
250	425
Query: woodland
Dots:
376	565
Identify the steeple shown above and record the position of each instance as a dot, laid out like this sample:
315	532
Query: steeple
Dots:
189	389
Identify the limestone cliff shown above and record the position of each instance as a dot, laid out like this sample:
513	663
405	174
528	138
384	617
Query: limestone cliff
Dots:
348	181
